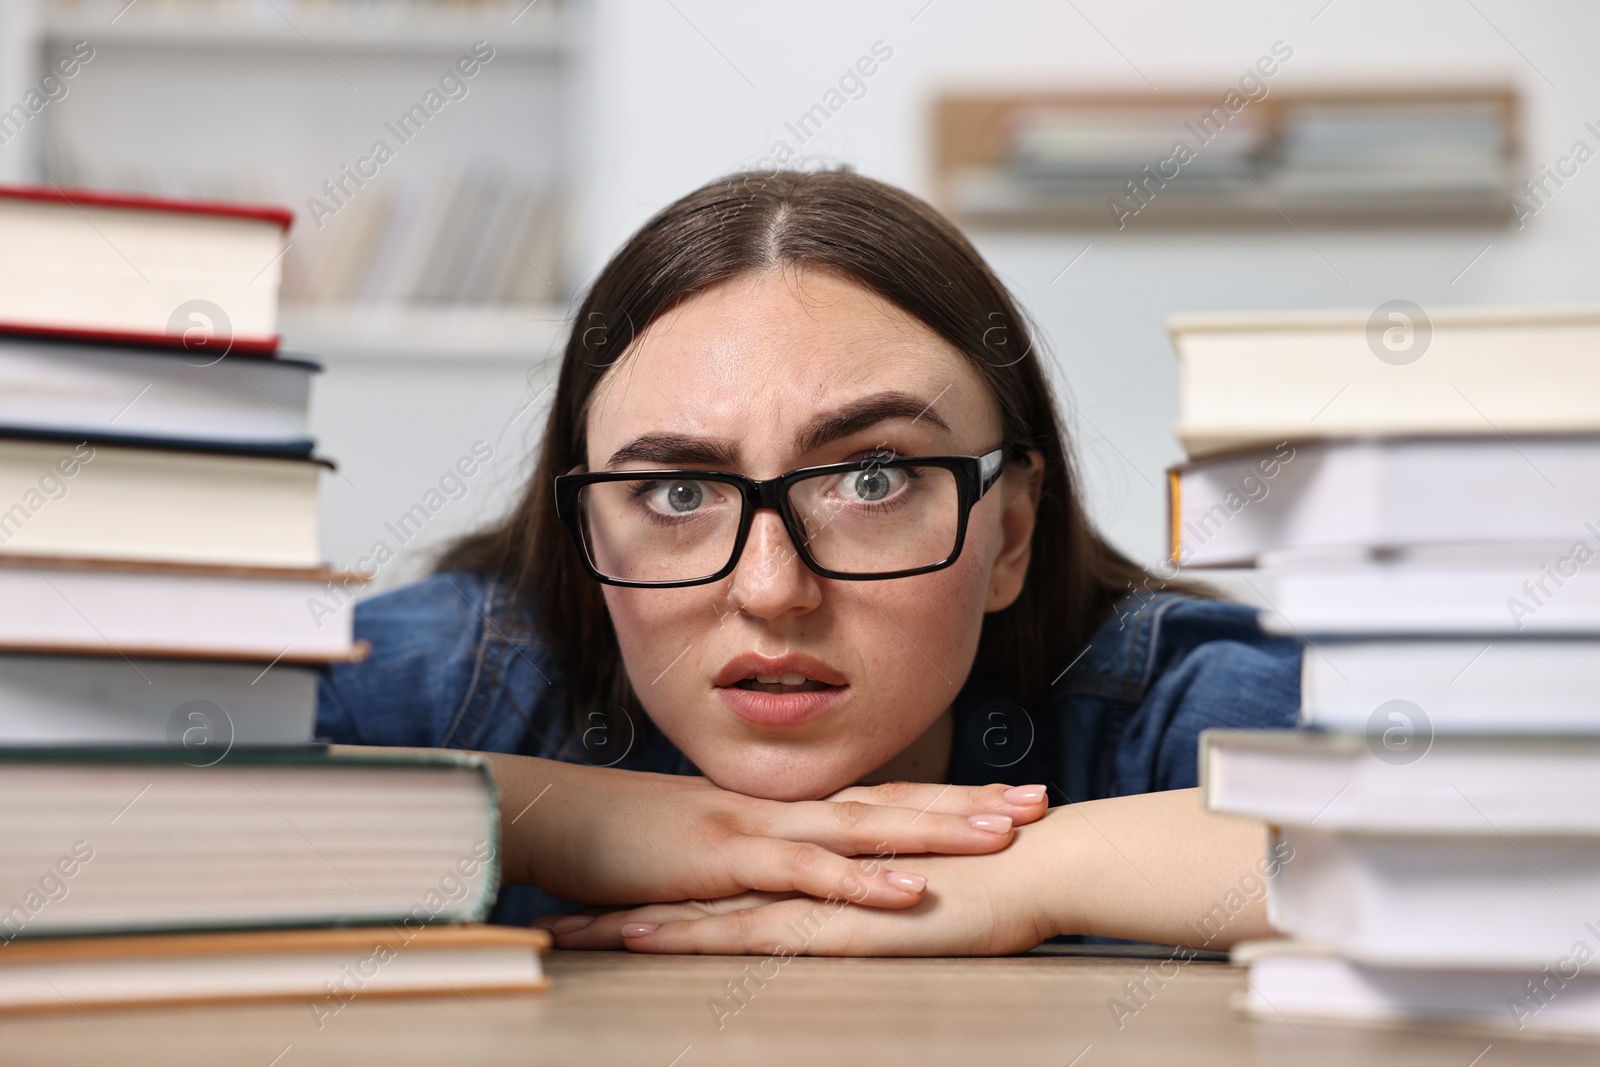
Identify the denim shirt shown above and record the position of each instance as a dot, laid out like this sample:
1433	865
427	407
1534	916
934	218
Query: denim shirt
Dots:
455	664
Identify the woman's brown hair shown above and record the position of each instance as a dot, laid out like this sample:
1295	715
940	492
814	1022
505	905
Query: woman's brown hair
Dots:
898	247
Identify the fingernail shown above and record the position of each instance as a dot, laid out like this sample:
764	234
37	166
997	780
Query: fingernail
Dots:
994	824
911	883
1025	794
569	923
638	929
545	922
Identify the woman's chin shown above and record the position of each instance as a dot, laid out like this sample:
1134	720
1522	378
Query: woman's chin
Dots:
800	781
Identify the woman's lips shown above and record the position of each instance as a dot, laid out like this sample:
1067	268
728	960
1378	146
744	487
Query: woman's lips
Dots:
785	690
752	665
781	709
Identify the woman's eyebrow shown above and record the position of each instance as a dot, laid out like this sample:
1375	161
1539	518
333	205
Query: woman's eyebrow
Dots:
858	415
677	448
863	414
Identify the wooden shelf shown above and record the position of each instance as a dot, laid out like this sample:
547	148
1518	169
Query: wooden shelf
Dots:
1206	159
538	31
525	335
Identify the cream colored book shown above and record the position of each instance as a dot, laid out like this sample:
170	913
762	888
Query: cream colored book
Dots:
1254	380
116	840
104	501
135	268
328	969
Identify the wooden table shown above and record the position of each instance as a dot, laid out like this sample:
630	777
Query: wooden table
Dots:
613	1010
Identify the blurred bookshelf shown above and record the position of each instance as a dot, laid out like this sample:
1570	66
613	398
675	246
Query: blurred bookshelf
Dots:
529	30
1426	155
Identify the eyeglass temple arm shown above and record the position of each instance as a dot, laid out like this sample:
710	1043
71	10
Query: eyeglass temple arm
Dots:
990	466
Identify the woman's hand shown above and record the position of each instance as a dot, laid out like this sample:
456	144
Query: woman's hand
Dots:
1155	867
606	836
975	906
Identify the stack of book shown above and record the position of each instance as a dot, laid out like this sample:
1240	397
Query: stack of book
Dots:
166	614
1422	495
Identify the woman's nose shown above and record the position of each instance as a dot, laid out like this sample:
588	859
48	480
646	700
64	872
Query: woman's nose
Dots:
770	579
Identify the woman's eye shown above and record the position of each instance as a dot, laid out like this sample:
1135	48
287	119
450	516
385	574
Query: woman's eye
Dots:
677	498
872	485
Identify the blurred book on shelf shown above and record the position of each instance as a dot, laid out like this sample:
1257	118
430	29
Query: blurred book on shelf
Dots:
1332	150
1419	492
484	239
1249	154
1089	151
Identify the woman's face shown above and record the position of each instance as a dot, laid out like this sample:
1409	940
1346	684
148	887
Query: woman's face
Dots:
761	375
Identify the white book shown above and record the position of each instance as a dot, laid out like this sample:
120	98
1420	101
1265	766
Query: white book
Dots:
204	707
1406	781
111	501
1456	686
1227	510
1498	898
127	608
1487	590
65	388
1305	981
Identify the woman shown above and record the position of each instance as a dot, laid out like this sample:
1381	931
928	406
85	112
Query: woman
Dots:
804	520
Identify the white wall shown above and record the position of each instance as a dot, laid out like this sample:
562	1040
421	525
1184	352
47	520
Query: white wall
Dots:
684	91
453	436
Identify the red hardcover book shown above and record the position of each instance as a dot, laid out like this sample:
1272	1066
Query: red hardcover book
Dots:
141	270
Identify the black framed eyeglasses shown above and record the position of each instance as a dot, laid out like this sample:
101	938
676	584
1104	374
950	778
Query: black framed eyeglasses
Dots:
865	520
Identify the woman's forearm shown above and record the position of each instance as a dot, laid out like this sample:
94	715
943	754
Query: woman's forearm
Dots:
534	794
602	835
1154	867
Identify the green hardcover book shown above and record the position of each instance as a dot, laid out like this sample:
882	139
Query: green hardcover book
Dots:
102	841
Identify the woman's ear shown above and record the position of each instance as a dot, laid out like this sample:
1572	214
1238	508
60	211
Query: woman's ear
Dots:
1021	487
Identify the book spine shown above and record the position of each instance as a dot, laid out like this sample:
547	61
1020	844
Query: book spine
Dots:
1174	515
493	864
